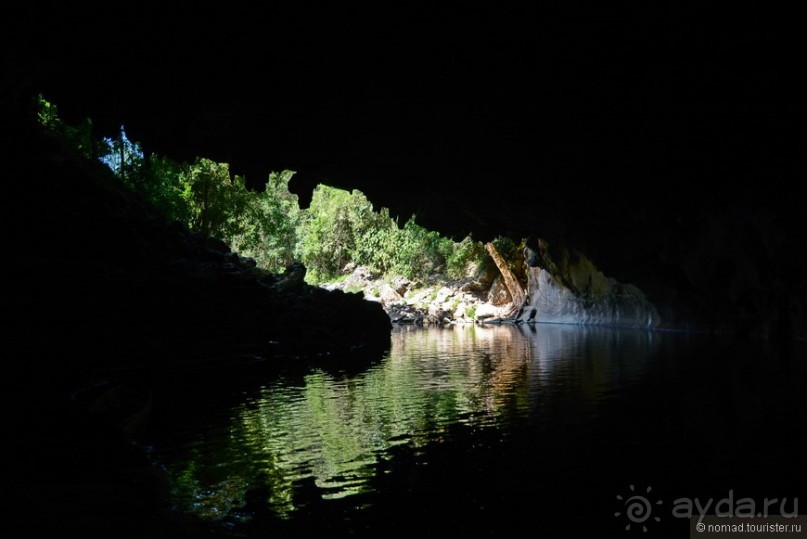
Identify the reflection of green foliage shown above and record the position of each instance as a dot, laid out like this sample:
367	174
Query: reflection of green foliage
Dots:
333	428
188	485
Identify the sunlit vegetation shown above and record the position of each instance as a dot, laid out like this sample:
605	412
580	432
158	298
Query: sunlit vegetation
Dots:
339	227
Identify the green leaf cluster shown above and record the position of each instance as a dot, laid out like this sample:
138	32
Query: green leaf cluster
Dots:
338	228
341	227
78	138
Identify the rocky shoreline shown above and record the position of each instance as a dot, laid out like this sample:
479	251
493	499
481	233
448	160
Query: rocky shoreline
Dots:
435	301
559	286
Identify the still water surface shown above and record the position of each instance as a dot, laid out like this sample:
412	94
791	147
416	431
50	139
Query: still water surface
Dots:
486	428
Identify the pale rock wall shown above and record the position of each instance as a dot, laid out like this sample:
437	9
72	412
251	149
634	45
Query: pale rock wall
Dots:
565	287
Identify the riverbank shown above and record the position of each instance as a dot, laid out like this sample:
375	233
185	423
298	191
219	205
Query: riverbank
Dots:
437	300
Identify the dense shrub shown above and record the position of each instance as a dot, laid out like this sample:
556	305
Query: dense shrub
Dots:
337	229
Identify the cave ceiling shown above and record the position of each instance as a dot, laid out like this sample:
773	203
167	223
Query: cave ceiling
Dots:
516	123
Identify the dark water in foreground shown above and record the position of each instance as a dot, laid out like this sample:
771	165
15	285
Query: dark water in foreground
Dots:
483	431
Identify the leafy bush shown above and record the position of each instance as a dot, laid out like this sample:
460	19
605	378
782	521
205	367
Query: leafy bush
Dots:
327	240
418	251
270	222
338	228
463	256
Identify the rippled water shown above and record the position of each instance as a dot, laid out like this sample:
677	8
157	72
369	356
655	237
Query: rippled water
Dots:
492	418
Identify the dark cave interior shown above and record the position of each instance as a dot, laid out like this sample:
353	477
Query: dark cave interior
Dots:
663	146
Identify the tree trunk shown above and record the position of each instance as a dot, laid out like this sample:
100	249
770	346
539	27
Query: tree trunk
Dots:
122	156
510	280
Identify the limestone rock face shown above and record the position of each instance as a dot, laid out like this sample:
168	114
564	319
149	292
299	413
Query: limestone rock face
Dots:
498	294
610	303
566	287
388	294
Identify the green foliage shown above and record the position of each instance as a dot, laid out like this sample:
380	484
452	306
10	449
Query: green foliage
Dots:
338	228
506	247
377	236
78	138
215	200
464	257
269	224
341	227
327	236
419	252
164	185
47	114
509	250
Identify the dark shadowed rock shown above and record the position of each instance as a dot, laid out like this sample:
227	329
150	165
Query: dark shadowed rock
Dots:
105	301
292	279
101	281
216	245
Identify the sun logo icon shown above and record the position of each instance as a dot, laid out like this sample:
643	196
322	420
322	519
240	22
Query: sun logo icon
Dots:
638	508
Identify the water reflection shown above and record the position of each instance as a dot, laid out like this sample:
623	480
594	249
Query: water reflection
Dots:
335	428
